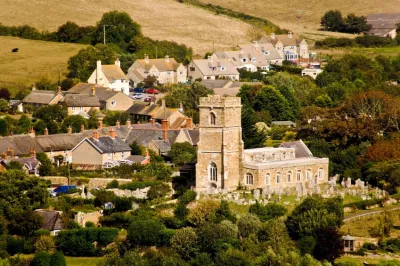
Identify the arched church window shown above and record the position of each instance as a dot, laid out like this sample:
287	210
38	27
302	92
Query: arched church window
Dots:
267	179
212	172
320	173
298	175
308	175
289	177
213	118
249	179
278	178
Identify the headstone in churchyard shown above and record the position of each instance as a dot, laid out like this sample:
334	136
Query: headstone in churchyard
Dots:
264	193
256	194
358	183
348	182
318	190
362	185
364	197
235	195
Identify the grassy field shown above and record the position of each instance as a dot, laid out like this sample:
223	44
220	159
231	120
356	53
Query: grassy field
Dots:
370	52
35	59
160	19
82	261
359	260
283	13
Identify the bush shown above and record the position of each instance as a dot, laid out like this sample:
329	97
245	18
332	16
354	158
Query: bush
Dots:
113	184
187	197
41	259
370	246
249	224
123	204
139	185
202	211
158	191
267	212
58	259
90	225
181	211
145	232
306	245
45	243
185	242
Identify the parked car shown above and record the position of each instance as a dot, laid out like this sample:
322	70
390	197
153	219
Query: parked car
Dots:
62	190
138	90
137	96
152	91
147	99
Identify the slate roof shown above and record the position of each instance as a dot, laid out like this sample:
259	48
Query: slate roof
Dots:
194	136
154	110
40	97
30	162
81	100
51	220
113	72
145	136
136	158
163	145
214	67
301	149
109	145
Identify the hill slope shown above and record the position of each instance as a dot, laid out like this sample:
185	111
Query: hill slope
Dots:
35	59
283	13
160	19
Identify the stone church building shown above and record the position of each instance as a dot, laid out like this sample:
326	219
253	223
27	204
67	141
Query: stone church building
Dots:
223	164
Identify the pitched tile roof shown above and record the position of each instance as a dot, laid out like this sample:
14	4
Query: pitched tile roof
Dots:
213	67
109	145
160	64
85	88
284	38
81	100
113	72
40	97
163	145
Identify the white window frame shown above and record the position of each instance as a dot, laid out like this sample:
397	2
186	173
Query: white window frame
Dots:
114	103
320	173
289	176
249	179
278	178
308	175
268	179
298	175
212	172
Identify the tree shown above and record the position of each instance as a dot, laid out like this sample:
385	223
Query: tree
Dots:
252	137
120	28
248	224
25	223
137	149
104	196
231	257
51	113
129	258
45	243
182	153
4	94
184	242
272	100
46	168
4	106
75	122
3	127
145	232
267	212
123	204
332	20
356	24
83	64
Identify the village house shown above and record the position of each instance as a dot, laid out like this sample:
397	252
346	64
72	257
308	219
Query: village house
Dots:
29	164
166	70
290	46
212	68
52	221
290	166
383	24
109	99
97	152
80	104
110	76
311	72
39	98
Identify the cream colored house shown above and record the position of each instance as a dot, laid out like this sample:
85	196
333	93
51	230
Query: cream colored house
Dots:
166	70
290	46
110	76
99	151
39	98
80	104
108	98
212	68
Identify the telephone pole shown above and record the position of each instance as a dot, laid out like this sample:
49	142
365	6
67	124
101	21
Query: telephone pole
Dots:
104	33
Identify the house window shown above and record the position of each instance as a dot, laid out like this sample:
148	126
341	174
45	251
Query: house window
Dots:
278	178
113	103
308	175
223	68
212	172
289	177
213	119
298	176
192	69
249	179
267	179
320	173
244	60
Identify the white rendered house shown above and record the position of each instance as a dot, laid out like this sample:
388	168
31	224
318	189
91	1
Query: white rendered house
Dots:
110	76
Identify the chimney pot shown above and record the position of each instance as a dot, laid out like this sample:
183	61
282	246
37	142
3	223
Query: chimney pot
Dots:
152	120
128	123
4	156
59	89
118	124
146	58
167	58
189	122
31	131
10	153
100	124
33	87
96	135
46	131
117	63
82	127
112	133
32	152
163	103
69	130
93	91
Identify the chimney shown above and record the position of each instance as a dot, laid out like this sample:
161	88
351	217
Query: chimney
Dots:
98	68
189	122
33	87
118	124
152	121
255	44
93	91
59	90
272	35
82	128
147	153
32	152
181	107
100	124
210	59
112	133
164	125
162	103
10	153
4	156
290	34
70	130
31	132
118	63
167	58
146	58
128	123
46	131
96	135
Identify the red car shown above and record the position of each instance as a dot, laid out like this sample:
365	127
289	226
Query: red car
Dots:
152	91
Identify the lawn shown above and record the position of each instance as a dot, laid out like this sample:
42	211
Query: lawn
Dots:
359	260
82	261
35	60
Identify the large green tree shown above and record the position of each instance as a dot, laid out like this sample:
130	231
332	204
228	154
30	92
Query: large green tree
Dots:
332	20
181	153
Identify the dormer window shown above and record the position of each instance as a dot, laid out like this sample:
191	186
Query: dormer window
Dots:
253	59
266	52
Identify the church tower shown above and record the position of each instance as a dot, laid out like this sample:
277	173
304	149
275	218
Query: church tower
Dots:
220	147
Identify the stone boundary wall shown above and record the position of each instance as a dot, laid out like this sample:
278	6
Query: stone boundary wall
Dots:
93	182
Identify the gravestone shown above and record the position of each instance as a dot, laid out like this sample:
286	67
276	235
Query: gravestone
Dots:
358	183
265	192
318	190
348	182
342	183
256	194
235	195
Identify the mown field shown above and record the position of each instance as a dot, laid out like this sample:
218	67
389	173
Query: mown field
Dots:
283	13
160	19
35	59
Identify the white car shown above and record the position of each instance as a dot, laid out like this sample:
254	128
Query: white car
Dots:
137	96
